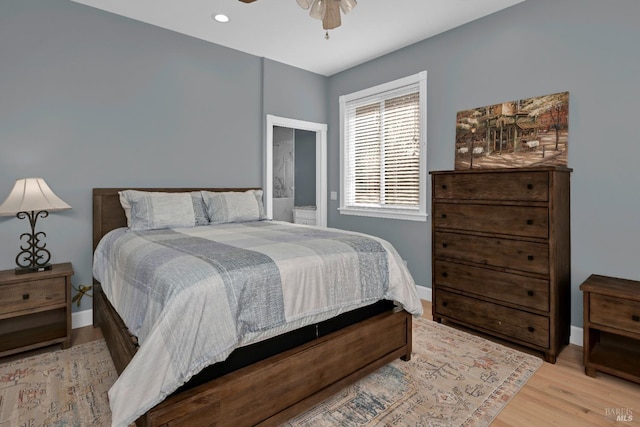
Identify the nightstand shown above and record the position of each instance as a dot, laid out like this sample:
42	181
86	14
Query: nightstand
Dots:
612	326
35	309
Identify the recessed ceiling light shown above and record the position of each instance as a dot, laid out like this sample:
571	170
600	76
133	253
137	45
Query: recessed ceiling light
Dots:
220	17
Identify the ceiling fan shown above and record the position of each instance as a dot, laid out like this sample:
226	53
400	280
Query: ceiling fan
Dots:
326	10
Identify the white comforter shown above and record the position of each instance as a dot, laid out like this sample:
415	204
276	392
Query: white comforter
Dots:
193	295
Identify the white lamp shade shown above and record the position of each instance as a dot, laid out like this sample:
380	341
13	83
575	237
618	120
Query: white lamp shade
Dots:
31	194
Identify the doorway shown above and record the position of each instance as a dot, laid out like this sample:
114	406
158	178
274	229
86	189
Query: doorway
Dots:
284	173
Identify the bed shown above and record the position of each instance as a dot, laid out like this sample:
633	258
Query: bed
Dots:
265	381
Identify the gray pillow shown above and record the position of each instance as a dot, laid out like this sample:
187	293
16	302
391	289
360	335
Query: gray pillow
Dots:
234	206
147	210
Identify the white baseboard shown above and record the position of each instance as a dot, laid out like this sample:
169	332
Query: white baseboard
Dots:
80	319
424	293
575	336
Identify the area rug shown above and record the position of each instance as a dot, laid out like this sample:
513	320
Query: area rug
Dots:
59	388
453	379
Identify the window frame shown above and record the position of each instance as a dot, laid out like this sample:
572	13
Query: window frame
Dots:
379	91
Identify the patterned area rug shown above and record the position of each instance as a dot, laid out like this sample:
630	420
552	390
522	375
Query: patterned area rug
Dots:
453	379
60	388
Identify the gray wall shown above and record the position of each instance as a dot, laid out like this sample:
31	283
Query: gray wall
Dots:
586	47
90	99
294	93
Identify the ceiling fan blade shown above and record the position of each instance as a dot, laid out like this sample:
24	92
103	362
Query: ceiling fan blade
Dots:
332	16
305	4
318	9
347	5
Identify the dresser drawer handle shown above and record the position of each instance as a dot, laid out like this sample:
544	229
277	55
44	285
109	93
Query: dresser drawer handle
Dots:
530	293
444	186
529	222
531	329
444	303
444	245
445	274
529	186
25	296
635	318
530	257
444	215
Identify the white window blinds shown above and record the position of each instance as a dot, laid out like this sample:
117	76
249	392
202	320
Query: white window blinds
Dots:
383	150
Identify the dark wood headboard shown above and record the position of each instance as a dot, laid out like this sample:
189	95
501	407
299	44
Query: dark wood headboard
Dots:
109	215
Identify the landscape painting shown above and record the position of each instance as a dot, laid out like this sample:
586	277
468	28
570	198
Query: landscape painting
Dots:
525	133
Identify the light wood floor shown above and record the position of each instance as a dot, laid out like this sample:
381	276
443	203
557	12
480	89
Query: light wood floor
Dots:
558	394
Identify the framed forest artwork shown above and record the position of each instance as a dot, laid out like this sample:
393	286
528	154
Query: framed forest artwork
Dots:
525	133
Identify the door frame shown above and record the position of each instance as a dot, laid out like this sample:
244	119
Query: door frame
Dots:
321	163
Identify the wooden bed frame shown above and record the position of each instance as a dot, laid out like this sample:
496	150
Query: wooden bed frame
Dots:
268	392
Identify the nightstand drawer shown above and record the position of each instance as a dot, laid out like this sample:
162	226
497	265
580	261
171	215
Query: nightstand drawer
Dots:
527	327
527	186
615	312
513	220
32	294
513	254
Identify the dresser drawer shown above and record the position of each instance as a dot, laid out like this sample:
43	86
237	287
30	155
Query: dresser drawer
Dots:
526	186
514	254
32	294
520	325
513	220
527	292
615	312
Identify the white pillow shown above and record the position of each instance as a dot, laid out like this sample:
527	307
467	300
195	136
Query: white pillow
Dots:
147	210
234	206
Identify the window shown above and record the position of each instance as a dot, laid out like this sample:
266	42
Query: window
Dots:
383	147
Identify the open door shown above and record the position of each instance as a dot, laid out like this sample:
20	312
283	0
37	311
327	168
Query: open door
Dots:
280	169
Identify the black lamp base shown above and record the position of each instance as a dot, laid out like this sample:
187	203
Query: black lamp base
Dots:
33	257
33	269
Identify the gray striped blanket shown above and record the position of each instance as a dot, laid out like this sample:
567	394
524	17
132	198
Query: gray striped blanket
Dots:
193	295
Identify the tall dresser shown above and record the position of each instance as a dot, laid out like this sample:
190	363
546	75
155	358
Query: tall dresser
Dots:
501	253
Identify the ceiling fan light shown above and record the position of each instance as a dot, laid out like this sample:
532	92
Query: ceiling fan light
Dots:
220	17
318	9
347	5
305	4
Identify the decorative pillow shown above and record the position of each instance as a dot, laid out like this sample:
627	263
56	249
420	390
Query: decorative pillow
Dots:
234	206
147	210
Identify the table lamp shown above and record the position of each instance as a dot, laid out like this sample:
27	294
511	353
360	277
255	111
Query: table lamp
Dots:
32	198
